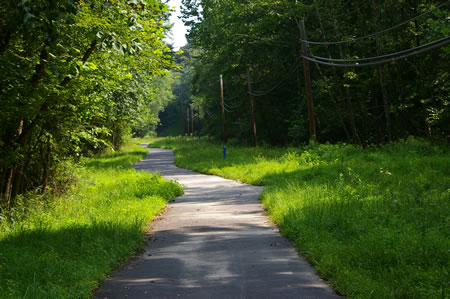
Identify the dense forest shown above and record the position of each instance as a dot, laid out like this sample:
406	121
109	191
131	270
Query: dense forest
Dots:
75	78
378	69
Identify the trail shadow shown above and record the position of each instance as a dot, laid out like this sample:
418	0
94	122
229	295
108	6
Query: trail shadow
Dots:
223	247
246	261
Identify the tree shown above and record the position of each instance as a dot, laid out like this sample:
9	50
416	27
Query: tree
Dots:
364	105
73	76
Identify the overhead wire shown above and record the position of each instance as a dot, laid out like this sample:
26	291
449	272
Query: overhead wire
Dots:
227	110
232	107
209	113
267	91
265	41
375	33
442	43
438	41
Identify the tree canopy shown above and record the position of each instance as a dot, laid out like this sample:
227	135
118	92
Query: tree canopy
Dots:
369	103
74	76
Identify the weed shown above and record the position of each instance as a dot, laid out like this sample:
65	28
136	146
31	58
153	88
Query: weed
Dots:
374	222
65	247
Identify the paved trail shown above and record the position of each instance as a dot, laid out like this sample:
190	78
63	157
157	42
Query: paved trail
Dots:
213	242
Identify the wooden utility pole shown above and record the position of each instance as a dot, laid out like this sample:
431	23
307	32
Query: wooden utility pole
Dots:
209	128
187	120
192	120
252	107
312	125
224	131
184	121
198	122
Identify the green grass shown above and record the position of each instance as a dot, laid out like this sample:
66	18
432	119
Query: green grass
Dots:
67	246
374	222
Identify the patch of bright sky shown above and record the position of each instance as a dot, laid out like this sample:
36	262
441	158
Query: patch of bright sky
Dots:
178	32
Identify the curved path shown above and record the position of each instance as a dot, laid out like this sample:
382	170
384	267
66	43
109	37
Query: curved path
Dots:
213	242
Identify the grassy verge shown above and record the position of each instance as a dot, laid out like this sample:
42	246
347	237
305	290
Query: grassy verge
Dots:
374	222
64	248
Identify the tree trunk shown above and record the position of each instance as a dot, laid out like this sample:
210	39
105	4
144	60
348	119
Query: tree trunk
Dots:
192	121
8	188
184	121
41	67
386	104
348	101
382	81
47	162
86	56
330	92
4	39
209	129
187	120
198	122
252	107
18	178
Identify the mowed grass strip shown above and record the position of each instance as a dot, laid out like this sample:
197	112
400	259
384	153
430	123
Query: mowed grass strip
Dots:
374	222
65	248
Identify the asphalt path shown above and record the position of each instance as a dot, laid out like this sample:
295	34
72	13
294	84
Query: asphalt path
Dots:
215	241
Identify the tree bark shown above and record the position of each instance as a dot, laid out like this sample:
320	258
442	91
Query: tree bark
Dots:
382	81
386	104
4	39
252	107
330	92
41	67
348	101
47	162
187	121
8	188
86	56
198	122
209	129
184	121
192	121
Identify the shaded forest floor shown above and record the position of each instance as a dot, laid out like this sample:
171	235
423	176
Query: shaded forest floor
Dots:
63	247
373	221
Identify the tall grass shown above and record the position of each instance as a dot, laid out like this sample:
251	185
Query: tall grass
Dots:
65	247
374	222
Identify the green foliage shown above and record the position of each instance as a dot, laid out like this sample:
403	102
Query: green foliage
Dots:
173	118
75	76
363	105
67	246
374	222
163	96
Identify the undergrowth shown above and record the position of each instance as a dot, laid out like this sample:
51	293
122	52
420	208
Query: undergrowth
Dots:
374	222
64	246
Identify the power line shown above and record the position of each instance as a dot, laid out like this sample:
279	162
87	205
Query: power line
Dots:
233	107
445	42
209	114
267	91
235	97
264	41
382	56
228	110
376	33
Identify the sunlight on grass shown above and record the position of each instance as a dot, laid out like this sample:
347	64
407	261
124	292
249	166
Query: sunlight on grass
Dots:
65	248
374	221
